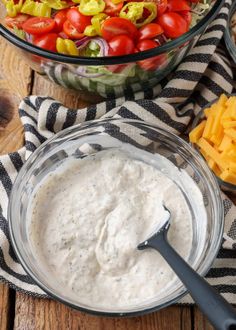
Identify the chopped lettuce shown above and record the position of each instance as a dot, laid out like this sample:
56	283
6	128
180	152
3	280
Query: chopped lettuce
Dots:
199	11
91	50
20	33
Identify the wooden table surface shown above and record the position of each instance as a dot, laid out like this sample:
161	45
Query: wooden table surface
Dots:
19	311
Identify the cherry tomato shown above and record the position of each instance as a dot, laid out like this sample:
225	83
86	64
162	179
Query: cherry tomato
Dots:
46	41
115	26
186	15
146	44
179	5
161	6
78	20
121	45
152	63
112	9
38	25
60	19
16	21
173	24
150	31
71	31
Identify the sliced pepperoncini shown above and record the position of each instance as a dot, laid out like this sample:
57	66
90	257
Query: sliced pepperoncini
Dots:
36	9
67	47
133	11
56	4
12	8
91	7
97	21
90	31
95	28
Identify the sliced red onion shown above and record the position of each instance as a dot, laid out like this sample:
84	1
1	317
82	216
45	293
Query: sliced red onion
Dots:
82	43
63	35
161	39
103	46
29	37
53	13
81	71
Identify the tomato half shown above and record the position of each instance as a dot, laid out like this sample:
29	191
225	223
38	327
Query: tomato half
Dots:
152	63
60	19
179	5
46	41
121	45
38	25
161	7
173	24
187	16
146	44
112	9
71	31
16	21
150	31
115	26
78	20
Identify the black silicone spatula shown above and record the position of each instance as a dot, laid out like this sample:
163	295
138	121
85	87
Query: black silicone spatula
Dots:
218	311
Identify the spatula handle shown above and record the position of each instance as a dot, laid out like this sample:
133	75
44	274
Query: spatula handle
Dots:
219	312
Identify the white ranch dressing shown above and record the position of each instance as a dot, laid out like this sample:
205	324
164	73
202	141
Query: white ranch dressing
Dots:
89	215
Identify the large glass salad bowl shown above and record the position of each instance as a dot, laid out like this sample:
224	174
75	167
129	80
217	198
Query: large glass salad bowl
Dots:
111	76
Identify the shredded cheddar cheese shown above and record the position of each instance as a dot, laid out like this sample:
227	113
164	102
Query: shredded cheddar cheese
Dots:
215	137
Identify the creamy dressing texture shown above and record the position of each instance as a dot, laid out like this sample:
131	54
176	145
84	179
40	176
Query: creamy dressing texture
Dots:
89	215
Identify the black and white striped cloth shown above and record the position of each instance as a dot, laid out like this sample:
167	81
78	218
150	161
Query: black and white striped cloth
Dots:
204	74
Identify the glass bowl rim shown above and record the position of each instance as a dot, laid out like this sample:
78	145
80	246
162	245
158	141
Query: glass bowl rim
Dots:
196	121
230	45
217	242
100	61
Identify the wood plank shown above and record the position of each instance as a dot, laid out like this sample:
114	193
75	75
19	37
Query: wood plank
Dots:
15	78
15	81
11	130
186	317
32	313
200	322
4	307
15	74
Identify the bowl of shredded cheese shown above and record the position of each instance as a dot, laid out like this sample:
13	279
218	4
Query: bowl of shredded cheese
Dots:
214	136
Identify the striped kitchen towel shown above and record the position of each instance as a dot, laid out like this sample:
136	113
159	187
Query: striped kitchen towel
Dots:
205	73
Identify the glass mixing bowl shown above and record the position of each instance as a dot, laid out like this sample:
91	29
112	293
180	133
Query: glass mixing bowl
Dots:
105	75
92	137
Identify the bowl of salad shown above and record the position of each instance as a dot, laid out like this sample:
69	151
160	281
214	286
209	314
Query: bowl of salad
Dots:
108	47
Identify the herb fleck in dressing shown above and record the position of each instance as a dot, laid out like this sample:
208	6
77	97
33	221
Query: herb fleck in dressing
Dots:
100	209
